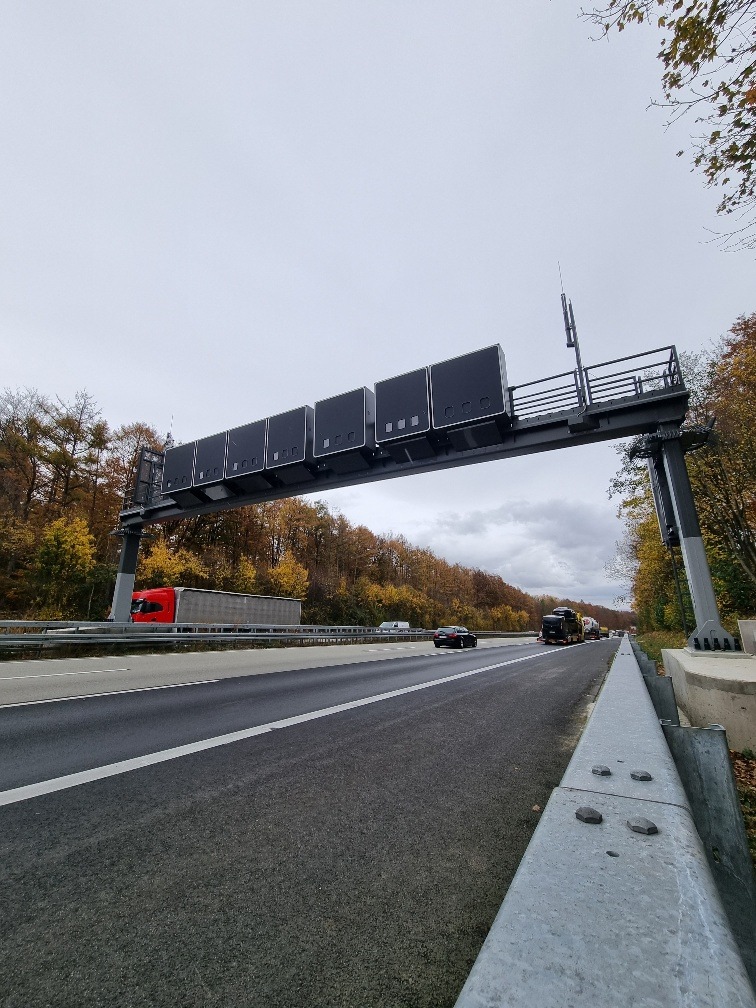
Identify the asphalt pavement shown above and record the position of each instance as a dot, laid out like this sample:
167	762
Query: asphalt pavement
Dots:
351	849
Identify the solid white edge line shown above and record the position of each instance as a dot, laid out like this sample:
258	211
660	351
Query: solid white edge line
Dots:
150	759
92	696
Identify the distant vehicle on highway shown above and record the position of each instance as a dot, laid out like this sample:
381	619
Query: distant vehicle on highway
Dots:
591	629
454	636
562	626
393	626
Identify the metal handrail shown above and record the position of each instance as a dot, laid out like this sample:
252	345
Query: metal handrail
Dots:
645	353
661	368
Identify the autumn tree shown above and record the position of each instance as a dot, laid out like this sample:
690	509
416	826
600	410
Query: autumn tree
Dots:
76	437
22	433
18	541
289	578
243	577
722	383
725	470
708	54
64	559
62	461
162	565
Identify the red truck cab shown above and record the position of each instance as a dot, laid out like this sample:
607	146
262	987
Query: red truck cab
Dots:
153	605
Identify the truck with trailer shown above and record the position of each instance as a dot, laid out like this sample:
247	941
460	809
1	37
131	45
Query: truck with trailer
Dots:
591	628
562	626
200	605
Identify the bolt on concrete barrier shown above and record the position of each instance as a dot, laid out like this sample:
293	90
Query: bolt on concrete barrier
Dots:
642	825
587	814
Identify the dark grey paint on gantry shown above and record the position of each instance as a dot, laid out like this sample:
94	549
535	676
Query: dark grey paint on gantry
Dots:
245	456
458	412
289	449
402	416
402	406
468	388
344	430
469	398
178	474
210	459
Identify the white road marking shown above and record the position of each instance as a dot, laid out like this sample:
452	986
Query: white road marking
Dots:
398	647
120	692
20	794
50	675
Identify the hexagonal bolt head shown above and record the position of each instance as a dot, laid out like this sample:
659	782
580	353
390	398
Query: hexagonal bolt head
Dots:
641	825
589	815
641	775
601	771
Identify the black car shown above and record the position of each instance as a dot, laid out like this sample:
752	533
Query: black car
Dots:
454	636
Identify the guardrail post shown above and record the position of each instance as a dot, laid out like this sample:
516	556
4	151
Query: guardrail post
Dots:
120	611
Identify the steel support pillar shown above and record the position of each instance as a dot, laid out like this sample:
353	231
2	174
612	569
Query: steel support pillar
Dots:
127	562
709	634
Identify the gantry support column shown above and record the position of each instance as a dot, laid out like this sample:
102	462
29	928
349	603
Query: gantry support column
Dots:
709	634
127	562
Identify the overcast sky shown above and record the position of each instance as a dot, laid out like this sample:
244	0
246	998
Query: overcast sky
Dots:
214	212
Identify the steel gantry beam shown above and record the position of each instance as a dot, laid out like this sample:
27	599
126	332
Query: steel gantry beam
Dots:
455	413
603	422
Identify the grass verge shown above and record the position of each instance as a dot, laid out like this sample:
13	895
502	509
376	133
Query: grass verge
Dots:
653	642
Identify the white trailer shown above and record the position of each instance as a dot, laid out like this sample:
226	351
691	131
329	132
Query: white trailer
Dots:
197	605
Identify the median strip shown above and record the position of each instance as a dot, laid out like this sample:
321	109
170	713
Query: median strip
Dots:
20	794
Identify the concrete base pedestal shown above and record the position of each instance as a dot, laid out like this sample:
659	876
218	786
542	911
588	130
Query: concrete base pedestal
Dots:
716	688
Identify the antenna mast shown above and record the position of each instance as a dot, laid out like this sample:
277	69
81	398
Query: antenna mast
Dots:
572	341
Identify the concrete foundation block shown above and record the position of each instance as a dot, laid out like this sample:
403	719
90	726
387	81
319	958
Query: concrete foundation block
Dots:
716	689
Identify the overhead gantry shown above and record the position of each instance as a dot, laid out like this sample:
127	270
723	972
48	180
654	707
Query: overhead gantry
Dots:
454	413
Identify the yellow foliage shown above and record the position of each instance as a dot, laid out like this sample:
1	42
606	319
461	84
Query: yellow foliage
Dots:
289	578
65	557
164	566
244	577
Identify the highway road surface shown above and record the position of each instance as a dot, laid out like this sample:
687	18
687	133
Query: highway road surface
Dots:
325	826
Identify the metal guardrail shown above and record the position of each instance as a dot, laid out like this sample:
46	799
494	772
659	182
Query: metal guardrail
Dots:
614	902
16	634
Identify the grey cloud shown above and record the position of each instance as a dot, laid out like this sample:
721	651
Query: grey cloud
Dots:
285	208
571	523
548	547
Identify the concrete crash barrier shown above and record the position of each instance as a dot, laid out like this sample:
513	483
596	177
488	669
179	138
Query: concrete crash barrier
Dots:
614	903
